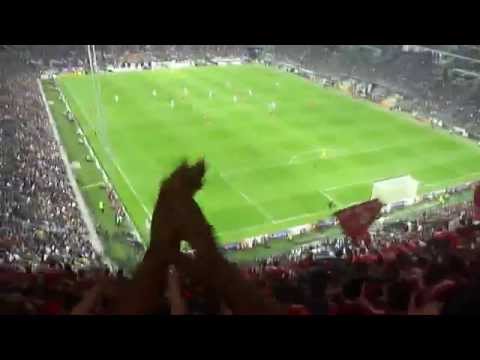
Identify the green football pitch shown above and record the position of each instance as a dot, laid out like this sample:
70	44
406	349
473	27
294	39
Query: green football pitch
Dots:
267	170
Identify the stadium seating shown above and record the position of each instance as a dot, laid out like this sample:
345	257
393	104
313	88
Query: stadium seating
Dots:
48	265
39	217
306	281
414	74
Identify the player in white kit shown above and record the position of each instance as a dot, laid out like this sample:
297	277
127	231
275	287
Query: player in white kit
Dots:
154	92
250	92
273	106
235	99
172	104
116	98
185	91
210	94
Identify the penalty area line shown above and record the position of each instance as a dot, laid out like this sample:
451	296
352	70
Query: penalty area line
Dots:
86	187
337	203
300	216
256	206
247	199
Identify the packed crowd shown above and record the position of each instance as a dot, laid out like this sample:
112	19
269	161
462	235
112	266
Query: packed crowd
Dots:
39	217
422	228
410	267
427	265
430	86
403	270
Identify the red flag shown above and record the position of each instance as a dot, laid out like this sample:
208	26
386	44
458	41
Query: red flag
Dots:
356	219
476	203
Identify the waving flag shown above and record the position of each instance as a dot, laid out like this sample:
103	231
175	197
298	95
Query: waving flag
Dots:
356	219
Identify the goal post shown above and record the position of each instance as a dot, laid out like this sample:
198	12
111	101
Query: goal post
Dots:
392	191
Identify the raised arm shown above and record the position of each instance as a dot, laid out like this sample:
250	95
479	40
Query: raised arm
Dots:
144	293
239	294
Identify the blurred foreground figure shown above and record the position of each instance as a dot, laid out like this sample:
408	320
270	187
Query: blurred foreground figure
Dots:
178	217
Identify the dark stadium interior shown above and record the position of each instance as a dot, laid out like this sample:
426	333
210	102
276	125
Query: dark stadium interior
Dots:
51	254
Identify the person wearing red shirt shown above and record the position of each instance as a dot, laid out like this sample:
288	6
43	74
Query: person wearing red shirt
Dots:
398	297
354	300
297	310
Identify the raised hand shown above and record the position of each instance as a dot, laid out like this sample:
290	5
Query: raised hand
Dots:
178	217
172	209
170	218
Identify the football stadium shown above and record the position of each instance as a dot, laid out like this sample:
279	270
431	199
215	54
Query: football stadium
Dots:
281	151
277	169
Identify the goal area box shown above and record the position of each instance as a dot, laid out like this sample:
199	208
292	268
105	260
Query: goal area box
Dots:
396	190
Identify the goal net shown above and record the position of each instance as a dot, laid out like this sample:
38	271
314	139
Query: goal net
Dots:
396	190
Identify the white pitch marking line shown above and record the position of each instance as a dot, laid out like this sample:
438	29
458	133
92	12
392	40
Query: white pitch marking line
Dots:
297	217
250	201
274	222
310	159
93	185
124	177
258	207
326	195
347	185
311	213
331	198
315	150
349	153
132	189
300	216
